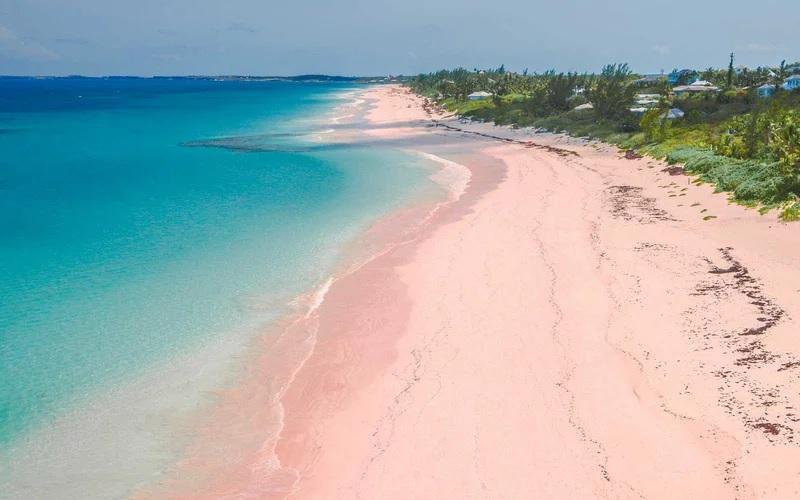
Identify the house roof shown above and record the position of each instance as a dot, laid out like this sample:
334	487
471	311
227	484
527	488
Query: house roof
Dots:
702	87
480	93
588	105
675	113
649	79
793	77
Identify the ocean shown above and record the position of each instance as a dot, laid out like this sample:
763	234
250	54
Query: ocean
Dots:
151	228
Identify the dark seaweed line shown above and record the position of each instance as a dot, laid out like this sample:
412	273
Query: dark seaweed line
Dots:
753	353
529	144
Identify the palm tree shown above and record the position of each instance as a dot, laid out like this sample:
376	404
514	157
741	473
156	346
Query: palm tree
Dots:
781	74
731	73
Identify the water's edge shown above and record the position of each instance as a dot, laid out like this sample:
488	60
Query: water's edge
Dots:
140	428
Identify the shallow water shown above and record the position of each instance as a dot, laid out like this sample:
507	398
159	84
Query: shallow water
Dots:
143	221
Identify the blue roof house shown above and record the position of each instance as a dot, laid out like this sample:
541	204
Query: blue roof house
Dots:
792	83
682	77
766	90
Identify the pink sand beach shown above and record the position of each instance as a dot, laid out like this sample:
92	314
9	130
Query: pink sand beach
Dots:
568	323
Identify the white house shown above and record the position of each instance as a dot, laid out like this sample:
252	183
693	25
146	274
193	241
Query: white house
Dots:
792	83
696	87
479	96
646	100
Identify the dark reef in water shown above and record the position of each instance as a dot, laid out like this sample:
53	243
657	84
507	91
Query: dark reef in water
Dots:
263	143
254	144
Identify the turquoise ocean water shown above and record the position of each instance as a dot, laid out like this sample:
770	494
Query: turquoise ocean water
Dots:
141	218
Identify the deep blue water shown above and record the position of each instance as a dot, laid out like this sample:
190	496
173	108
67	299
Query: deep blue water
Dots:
127	238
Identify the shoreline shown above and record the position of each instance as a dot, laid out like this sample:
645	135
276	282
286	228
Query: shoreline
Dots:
573	325
277	358
162	422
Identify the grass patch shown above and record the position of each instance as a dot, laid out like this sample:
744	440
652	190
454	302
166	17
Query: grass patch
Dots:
791	213
750	182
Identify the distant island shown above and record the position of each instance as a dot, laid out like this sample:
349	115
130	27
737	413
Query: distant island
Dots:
240	78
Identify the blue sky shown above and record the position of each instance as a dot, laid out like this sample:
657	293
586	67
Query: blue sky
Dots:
271	37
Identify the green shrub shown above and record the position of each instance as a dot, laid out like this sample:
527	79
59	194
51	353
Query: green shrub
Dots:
611	94
655	125
750	181
770	134
791	212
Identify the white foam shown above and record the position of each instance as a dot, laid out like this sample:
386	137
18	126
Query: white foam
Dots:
319	297
454	177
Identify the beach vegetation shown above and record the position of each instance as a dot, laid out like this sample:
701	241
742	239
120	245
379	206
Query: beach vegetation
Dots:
733	138
791	212
612	95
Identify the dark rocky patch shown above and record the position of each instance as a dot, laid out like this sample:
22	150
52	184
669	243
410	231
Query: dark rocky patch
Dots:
632	155
674	170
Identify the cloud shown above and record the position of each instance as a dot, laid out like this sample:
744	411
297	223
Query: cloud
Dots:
15	47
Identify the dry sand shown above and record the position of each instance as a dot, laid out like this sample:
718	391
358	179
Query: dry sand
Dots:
574	325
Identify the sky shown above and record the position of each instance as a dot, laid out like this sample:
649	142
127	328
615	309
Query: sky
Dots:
377	37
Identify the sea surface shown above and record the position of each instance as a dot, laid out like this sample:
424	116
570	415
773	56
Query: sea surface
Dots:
143	221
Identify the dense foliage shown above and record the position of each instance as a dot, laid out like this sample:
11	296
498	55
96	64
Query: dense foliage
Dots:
744	144
612	95
750	181
770	134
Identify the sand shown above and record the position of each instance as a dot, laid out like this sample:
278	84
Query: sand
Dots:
566	324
